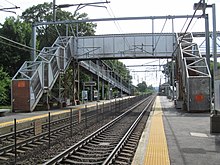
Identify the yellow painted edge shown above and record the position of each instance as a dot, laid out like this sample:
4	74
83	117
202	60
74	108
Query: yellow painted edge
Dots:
31	118
8	123
44	115
157	149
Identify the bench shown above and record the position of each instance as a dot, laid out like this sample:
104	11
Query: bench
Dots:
3	111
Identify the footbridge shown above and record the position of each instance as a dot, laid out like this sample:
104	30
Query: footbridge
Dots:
126	46
36	79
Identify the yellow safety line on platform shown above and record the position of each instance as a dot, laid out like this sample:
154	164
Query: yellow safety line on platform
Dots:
157	150
45	115
31	118
42	116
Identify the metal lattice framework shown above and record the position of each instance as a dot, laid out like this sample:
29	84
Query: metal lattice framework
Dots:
41	74
195	77
126	46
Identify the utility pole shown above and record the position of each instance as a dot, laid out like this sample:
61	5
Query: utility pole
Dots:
54	10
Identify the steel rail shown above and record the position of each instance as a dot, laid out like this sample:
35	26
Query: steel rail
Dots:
59	158
117	149
54	132
42	136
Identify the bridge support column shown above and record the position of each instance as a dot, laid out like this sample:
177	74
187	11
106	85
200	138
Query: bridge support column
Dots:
60	91
121	87
108	92
98	79
103	90
75	82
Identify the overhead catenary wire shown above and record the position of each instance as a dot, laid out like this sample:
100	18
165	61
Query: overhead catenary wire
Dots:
11	3
160	35
17	43
116	23
21	48
16	7
194	24
187	27
184	25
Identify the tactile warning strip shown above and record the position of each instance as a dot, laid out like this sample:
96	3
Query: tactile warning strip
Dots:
157	151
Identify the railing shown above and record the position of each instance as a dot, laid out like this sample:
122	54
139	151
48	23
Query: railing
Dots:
39	76
195	75
95	69
34	77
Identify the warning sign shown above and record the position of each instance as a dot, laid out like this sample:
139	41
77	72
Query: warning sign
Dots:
21	84
37	127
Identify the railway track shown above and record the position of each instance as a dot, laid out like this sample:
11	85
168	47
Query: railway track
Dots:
26	140
114	143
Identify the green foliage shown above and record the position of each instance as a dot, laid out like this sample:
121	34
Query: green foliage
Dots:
4	87
47	34
12	56
143	88
120	68
19	30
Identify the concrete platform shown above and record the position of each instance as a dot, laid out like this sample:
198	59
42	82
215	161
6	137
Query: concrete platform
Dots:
187	137
24	119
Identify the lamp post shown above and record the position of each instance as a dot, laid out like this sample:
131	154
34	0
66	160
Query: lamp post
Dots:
214	117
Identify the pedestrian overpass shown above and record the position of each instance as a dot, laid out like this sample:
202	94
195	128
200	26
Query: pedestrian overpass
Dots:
35	79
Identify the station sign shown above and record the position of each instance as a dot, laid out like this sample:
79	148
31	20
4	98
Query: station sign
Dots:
95	94
37	127
90	83
85	95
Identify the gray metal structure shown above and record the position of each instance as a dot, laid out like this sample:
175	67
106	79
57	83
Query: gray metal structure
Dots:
42	73
125	46
194	76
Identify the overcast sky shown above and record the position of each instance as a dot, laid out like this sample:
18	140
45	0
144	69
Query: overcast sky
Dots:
125	8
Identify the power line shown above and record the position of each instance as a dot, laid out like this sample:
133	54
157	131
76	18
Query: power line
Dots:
160	35
116	23
14	46
184	25
17	43
11	3
187	26
9	8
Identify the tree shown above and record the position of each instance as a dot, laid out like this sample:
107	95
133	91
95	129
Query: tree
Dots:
4	87
47	34
12	56
121	69
19	30
142	87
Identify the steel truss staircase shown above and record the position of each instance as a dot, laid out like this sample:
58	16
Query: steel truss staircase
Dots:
194	79
39	76
106	75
